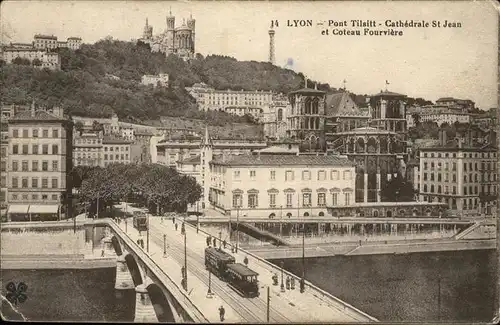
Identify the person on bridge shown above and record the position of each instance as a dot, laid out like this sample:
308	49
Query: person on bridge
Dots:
287	283
176	227
292	283
102	253
246	261
208	241
183	229
173	220
183	271
215	242
222	311
224	243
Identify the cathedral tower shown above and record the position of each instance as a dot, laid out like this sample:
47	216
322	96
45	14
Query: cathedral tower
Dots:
191	23
169	33
148	31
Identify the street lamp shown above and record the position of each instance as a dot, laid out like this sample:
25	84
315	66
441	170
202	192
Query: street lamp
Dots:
147	234
282	285
238	231
185	262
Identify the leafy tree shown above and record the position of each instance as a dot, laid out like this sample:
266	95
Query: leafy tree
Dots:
398	189
79	126
36	62
21	61
96	126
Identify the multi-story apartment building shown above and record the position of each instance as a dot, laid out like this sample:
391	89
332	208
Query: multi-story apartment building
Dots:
209	99
39	164
116	151
461	174
281	185
438	114
88	149
171	150
4	146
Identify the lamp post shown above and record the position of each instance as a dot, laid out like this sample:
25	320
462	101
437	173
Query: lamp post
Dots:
164	245
302	287
238	231
147	233
197	218
282	285
185	262
281	221
220	239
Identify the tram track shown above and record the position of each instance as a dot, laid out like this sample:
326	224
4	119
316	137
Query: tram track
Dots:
231	297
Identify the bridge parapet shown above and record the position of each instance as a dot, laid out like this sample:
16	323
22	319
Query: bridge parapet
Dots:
190	309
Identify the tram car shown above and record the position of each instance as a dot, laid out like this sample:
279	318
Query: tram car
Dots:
140	221
243	280
216	261
239	277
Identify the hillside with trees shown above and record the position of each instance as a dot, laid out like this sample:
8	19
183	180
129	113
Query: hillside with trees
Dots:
104	77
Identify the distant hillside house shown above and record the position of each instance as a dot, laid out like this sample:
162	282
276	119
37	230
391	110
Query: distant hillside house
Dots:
44	42
155	80
465	104
37	57
437	113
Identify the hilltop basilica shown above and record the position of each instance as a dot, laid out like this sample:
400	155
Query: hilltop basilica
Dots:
179	41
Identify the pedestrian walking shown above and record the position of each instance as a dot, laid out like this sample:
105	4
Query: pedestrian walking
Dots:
292	283
287	283
142	243
208	241
224	243
102	253
215	242
222	311
176	227
246	261
173	220
183	271
183	229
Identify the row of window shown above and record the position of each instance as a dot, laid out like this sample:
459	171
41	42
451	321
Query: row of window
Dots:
471	190
34	197
471	178
35	182
306	175
471	166
117	157
88	141
35	149
35	133
121	148
452	203
454	155
253	200
35	166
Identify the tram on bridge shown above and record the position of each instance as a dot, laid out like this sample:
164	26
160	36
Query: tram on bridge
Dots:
239	277
140	221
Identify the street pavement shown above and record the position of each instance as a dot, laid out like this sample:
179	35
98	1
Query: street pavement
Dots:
289	306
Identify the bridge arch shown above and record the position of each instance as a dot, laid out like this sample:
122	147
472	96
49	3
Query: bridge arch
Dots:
160	304
116	245
134	269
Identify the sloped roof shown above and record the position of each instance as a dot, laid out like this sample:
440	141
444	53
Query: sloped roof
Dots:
39	115
283	160
388	94
307	91
336	105
191	160
368	130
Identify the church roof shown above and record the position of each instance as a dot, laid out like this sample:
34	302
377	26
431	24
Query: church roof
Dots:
368	130
307	91
336	105
38	115
388	94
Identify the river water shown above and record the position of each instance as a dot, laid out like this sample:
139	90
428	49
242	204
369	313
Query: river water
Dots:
388	287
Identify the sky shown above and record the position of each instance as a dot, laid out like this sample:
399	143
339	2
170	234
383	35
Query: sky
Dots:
424	62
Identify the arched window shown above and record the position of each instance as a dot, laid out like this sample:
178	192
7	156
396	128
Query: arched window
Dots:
375	214
272	215
439	188
432	188
306	214
321	214
289	215
308	106
280	114
425	188
315	106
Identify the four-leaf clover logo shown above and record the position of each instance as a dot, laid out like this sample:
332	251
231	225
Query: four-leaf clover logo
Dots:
16	294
